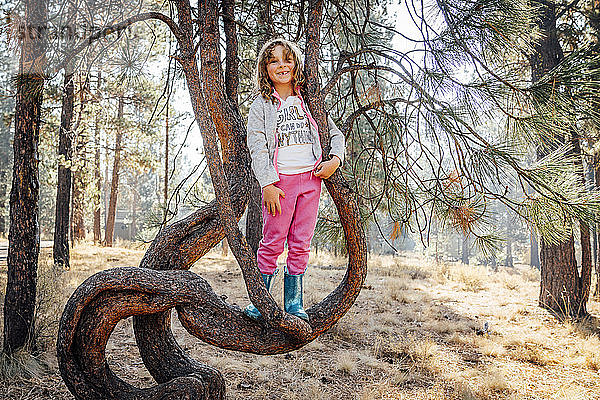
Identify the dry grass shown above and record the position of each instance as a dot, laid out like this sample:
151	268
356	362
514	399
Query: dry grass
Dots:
415	332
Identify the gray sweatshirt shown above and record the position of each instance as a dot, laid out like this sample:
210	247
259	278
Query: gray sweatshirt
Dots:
262	140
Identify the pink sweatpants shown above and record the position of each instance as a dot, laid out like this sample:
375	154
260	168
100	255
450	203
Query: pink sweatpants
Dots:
296	223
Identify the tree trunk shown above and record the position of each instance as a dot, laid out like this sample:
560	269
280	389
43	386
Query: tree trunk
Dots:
78	197
254	220
97	176
534	257
24	239
135	200
562	289
3	185
595	257
63	191
106	188
509	257
465	250
166	180
114	186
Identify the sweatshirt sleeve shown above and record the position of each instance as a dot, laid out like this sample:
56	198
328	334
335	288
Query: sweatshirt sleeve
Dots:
256	138
338	141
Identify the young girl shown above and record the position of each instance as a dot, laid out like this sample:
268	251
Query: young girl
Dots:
286	159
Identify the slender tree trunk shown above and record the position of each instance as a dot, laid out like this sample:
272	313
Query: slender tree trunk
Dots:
596	233
254	221
3	185
509	257
562	289
97	176
166	180
534	257
63	191
106	188
78	200
114	186
98	181
595	256
24	239
465	250
135	196
79	180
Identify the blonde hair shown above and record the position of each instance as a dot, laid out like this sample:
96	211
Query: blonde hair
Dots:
263	84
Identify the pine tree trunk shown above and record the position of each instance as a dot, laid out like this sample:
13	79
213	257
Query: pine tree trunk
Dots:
166	179
24	239
534	257
596	234
106	189
98	180
77	198
509	257
135	196
254	221
114	186
562	289
465	250
3	185
97	177
63	191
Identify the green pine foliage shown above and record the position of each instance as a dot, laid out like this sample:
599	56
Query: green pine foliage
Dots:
438	132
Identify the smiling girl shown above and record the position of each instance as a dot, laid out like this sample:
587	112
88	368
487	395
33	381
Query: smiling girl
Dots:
286	154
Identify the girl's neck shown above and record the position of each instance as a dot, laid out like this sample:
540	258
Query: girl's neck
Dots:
284	91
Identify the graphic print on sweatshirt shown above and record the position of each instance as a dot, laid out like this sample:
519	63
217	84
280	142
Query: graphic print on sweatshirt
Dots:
294	138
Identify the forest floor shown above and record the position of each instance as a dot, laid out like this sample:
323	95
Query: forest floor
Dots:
417	331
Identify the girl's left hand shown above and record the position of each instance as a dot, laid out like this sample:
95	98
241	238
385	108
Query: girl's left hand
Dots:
325	169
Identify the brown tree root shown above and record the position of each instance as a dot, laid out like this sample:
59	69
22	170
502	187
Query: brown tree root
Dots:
98	305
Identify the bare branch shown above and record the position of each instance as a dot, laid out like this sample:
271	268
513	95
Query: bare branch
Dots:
118	28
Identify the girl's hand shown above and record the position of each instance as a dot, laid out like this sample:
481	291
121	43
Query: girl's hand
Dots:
325	169
271	195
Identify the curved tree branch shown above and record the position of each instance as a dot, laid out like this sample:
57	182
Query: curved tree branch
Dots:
118	27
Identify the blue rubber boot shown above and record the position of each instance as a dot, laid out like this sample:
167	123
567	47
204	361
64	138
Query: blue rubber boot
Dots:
292	295
252	311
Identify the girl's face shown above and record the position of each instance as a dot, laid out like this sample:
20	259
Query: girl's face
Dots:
280	67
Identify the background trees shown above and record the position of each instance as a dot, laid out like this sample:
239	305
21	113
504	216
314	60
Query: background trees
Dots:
23	234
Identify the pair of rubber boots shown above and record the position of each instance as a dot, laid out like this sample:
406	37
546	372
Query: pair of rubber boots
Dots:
292	296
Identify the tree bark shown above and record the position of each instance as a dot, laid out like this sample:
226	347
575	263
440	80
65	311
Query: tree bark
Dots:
24	239
114	186
562	288
534	256
465	250
135	200
97	177
3	186
596	233
254	220
78	197
63	191
166	178
509	263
